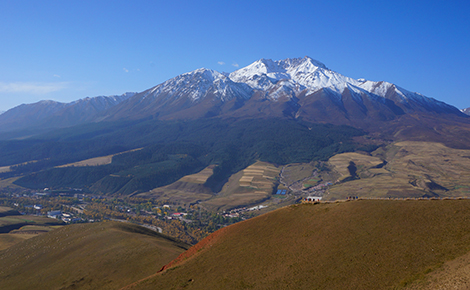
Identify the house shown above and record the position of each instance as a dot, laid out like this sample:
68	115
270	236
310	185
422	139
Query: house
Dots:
55	214
313	198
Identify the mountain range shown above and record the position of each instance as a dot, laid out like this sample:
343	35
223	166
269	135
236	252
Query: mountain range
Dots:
51	115
297	88
281	112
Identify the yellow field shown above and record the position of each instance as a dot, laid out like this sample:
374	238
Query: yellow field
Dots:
341	162
413	169
103	160
4	169
188	189
249	186
200	177
4	183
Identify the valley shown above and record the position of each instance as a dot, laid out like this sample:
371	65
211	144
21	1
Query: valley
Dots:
283	174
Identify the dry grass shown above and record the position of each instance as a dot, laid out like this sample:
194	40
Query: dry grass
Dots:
249	186
200	177
8	183
414	169
4	169
86	256
97	161
8	240
15	228
341	162
188	189
365	244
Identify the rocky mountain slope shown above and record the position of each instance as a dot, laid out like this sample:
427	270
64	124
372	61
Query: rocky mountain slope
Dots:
51	114
299	88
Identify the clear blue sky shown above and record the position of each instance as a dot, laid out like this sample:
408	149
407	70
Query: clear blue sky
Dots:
67	50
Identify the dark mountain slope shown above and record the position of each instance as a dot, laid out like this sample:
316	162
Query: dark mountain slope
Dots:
365	244
43	115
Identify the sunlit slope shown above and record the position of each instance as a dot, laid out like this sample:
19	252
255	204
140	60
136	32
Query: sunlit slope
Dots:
403	169
364	244
86	256
252	185
188	189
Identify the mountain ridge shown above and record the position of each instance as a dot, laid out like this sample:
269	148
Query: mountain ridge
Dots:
290	88
293	88
51	114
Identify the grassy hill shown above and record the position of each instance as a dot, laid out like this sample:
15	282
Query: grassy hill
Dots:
364	244
403	169
14	227
106	255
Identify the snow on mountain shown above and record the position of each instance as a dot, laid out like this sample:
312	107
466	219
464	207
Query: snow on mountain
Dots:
291	88
196	85
308	75
466	111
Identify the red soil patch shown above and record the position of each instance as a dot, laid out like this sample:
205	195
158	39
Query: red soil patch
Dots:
206	242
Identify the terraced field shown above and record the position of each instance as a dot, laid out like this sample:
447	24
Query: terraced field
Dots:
188	189
249	186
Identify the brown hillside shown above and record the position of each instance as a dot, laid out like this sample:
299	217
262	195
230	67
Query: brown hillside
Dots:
365	244
106	255
404	169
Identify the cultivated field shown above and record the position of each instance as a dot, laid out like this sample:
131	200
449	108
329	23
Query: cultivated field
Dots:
188	189
412	169
249	186
97	161
4	169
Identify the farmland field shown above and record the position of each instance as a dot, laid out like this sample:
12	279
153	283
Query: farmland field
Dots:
411	169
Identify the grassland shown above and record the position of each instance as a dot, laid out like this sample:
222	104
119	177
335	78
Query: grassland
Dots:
252	185
188	189
86	256
411	169
4	169
15	228
97	161
364	244
8	183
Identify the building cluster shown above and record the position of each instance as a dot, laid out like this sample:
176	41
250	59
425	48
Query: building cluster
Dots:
64	216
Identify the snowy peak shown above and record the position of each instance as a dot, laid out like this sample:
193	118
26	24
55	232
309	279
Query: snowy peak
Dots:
265	72
198	84
306	72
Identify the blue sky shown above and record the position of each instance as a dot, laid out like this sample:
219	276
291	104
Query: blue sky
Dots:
68	50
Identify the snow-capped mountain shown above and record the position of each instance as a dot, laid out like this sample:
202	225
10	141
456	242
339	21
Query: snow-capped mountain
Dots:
466	111
292	88
296	88
307	76
52	114
199	84
199	93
